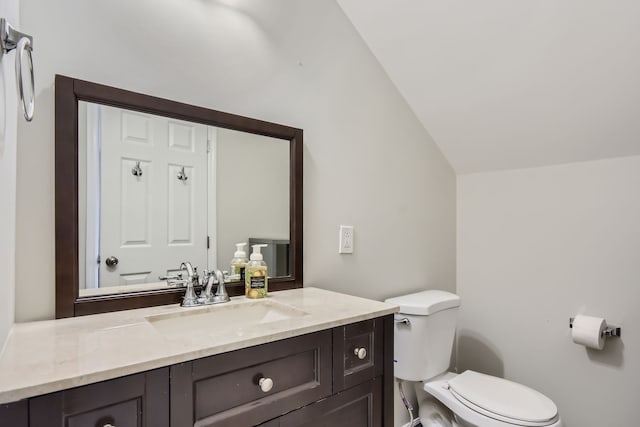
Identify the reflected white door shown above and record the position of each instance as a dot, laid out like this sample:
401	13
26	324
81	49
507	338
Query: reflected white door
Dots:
153	211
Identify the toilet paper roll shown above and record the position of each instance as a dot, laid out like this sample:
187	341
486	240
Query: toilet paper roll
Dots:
589	331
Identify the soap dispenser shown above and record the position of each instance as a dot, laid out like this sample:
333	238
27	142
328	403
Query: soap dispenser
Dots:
256	274
238	263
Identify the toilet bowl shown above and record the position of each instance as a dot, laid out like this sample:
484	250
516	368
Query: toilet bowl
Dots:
424	332
480	400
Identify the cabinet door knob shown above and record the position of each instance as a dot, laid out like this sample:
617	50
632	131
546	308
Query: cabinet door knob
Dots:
361	352
108	425
266	384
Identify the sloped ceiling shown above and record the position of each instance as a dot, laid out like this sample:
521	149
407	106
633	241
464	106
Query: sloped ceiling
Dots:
503	84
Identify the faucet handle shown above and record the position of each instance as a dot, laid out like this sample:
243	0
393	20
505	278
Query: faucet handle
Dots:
174	279
205	277
206	295
221	294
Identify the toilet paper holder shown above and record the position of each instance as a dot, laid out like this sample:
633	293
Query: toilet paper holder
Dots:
611	331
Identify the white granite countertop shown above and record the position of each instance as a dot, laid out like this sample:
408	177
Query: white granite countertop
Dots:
47	356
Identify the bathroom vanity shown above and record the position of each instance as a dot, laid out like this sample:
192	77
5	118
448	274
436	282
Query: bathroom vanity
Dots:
300	357
118	355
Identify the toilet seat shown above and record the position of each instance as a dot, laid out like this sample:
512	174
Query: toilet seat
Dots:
503	400
481	403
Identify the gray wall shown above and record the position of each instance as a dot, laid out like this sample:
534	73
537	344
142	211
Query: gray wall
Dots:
8	138
535	247
368	162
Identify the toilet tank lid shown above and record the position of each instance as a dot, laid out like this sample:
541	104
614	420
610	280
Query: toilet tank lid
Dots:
426	302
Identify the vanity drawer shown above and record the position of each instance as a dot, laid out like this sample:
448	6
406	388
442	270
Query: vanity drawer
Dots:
139	400
358	353
224	390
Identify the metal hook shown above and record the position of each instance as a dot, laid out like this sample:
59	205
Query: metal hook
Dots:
182	176
137	170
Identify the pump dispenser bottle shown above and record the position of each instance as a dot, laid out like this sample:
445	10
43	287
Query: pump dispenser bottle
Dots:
256	274
238	263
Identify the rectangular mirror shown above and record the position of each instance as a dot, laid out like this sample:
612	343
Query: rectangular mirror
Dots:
143	184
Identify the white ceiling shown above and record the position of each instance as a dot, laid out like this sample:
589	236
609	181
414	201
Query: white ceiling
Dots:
503	84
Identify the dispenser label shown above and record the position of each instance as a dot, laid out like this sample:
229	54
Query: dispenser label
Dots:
256	281
239	270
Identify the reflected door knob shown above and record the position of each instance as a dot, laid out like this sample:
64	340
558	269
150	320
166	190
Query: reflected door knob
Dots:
111	261
360	352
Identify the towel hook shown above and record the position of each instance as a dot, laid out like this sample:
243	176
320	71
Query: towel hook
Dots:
182	176
23	43
137	170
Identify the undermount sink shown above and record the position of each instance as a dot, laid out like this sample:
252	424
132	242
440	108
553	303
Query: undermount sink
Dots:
215	319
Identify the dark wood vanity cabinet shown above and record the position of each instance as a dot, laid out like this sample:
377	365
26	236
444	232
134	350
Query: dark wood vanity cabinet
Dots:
335	377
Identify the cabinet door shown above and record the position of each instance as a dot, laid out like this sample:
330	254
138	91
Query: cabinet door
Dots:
14	414
140	400
358	353
359	406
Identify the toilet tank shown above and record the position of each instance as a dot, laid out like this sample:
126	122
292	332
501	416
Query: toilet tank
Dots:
424	341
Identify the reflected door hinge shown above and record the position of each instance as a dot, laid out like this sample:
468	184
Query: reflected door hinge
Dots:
98	259
209	146
208	241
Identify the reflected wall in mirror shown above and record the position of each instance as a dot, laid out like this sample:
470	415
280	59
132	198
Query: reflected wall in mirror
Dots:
159	182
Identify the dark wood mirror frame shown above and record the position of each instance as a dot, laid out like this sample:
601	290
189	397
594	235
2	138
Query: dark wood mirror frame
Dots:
68	91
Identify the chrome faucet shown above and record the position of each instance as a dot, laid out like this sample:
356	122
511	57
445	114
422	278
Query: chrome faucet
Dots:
207	296
209	278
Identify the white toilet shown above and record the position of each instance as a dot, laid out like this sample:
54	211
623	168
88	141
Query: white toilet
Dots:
424	332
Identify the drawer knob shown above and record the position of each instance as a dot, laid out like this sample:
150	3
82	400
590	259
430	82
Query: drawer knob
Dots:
108	425
361	352
266	384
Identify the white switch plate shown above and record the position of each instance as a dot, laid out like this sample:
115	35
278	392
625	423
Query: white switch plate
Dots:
346	239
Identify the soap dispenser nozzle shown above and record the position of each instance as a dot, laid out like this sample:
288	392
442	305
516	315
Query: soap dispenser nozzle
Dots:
256	255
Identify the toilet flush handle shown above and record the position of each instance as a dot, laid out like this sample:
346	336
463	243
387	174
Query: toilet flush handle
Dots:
403	320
